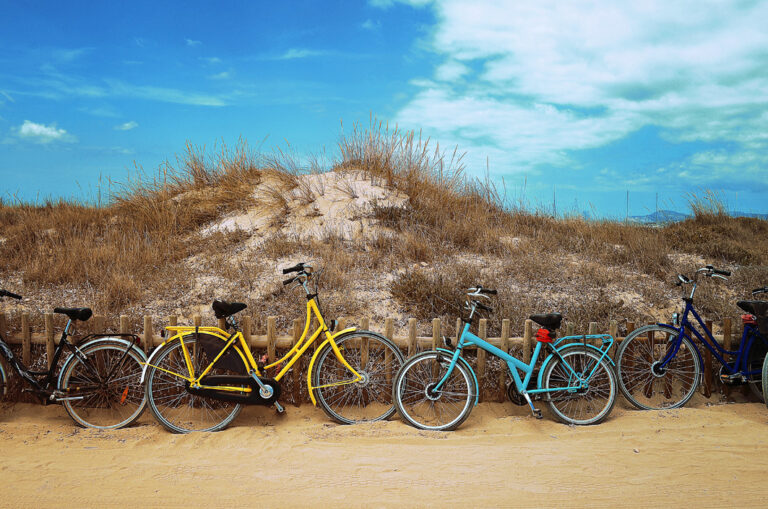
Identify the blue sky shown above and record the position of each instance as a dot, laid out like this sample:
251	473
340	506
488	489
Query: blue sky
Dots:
580	100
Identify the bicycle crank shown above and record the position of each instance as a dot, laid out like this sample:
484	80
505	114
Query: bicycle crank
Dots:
264	391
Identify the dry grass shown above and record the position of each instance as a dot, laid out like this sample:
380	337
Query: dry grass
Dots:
145	250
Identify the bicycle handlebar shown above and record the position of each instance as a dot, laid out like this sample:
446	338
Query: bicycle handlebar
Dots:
6	293
295	268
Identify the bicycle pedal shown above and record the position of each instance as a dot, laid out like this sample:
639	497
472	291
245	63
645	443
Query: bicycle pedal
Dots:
537	413
279	408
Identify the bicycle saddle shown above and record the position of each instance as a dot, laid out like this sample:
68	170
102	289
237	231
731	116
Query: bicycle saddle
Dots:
549	320
759	308
223	309
82	314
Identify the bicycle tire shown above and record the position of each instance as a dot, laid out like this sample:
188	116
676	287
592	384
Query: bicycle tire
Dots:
4	381
755	360
367	399
629	375
603	375
765	378
119	401
413	380
172	405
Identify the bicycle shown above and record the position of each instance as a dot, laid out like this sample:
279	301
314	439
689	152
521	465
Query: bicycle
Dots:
659	366
199	379
436	390
97	383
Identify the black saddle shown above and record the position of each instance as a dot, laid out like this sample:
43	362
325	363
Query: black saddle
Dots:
549	320
759	308
223	309
82	314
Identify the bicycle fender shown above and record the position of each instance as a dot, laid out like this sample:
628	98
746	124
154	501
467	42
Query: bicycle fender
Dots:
549	358
319	349
178	336
466	364
107	339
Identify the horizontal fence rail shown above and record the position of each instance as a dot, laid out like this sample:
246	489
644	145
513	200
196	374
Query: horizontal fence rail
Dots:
492	374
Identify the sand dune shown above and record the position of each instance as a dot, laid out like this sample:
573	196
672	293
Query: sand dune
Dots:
701	456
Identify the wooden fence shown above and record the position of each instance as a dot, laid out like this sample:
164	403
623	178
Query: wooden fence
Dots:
488	372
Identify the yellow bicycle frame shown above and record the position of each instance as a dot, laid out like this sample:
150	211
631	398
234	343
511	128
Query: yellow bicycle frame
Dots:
244	352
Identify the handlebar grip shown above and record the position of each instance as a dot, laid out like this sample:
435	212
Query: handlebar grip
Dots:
722	272
289	281
488	291
484	307
764	289
295	268
6	293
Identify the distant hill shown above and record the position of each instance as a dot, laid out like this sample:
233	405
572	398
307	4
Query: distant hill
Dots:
671	216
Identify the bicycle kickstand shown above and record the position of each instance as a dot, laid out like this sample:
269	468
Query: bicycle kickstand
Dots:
536	412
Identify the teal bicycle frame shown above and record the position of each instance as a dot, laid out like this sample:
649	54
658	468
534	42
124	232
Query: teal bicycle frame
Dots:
576	382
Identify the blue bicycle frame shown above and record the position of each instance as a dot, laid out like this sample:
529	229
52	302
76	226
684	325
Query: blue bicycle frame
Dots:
577	381
739	365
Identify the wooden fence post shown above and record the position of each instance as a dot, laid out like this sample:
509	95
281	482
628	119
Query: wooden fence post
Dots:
148	336
49	338
364	323
436	333
412	347
26	340
3	324
124	327
173	321
707	385
613	330
527	337
98	324
459	324
271	339
504	369
481	357
222	323
570	329
389	333
197	320
297	368
728	345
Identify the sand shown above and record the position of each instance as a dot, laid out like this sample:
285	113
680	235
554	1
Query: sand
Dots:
701	456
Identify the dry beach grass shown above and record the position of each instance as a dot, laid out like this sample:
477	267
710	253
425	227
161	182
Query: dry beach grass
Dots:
398	227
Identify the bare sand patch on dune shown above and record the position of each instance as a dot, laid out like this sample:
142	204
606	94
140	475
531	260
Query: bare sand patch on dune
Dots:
702	456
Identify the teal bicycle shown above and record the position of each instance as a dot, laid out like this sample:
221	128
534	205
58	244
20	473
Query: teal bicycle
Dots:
436	390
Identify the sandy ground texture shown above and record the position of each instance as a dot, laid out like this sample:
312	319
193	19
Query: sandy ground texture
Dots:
702	456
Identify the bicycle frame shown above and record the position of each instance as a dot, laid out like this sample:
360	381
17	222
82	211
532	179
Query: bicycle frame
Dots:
44	385
237	340
514	364
708	340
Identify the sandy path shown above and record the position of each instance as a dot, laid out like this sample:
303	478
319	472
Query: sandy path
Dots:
701	456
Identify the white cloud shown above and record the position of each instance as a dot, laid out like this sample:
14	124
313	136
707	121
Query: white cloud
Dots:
534	81
294	53
211	60
224	75
127	126
369	24
192	42
41	133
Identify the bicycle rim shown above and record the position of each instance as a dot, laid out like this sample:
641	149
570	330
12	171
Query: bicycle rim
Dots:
170	402
651	389
109	385
366	400
443	410
585	406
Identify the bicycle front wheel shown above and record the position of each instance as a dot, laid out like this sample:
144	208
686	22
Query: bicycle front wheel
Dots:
582	406
424	408
376	359
172	404
644	382
104	390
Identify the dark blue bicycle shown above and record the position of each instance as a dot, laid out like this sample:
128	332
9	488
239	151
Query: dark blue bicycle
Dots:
660	367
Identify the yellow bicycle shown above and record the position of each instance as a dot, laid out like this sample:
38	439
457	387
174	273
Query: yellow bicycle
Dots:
199	379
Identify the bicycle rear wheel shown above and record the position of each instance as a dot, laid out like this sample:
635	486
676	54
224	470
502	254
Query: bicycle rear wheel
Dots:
172	405
643	383
3	381
580	406
369	399
765	378
444	410
106	387
755	360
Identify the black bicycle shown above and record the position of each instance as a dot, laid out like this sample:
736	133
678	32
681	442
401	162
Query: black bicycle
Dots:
99	383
